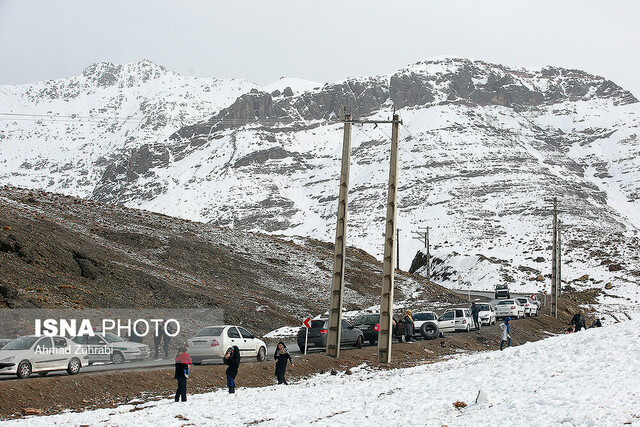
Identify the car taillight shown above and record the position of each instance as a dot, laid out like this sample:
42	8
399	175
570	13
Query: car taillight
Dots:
513	307
376	328
464	321
324	331
186	345
214	343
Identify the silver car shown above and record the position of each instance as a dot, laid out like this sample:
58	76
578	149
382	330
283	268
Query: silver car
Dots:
108	347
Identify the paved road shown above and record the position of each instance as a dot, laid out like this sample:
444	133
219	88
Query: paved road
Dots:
153	364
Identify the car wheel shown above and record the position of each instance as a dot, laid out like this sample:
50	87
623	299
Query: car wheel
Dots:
359	342
401	338
429	331
262	354
24	370
117	358
74	366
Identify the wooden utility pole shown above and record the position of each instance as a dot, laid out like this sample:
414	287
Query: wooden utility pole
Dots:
424	235
337	284
386	305
554	259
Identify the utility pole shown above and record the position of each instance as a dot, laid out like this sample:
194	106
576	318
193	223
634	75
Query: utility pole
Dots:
554	259
424	235
386	305
337	284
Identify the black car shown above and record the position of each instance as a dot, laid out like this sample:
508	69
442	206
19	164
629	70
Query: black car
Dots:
369	324
320	329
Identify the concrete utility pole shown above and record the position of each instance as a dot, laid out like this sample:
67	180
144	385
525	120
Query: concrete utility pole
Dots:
554	259
424	235
386	305
337	284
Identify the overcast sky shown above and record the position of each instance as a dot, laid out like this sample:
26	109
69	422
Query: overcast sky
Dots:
323	41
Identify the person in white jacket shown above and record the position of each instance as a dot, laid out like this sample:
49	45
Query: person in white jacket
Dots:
506	336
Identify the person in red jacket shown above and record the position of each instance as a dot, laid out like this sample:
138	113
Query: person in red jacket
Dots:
183	360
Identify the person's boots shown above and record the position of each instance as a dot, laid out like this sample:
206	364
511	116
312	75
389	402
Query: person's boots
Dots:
232	390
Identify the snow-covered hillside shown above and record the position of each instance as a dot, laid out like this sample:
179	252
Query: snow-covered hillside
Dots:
563	380
484	148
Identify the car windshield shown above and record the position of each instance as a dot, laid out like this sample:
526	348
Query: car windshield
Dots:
424	316
22	343
210	332
522	300
484	307
109	337
499	287
506	302
369	318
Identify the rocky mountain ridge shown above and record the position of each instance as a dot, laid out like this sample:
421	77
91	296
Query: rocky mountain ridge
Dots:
483	149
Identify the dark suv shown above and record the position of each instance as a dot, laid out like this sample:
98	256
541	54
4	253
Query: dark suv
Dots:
320	329
502	291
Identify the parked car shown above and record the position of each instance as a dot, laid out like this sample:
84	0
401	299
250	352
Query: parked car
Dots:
349	334
212	342
530	308
486	313
509	307
108	347
369	324
35	354
455	319
502	291
426	325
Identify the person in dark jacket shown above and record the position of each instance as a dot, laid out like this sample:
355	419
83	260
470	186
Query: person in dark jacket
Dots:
408	326
183	361
596	323
506	333
281	357
232	358
579	321
475	311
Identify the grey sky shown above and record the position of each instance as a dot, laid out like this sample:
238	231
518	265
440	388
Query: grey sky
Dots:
322	41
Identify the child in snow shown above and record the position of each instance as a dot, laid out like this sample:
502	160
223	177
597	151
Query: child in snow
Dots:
506	337
281	357
232	358
183	360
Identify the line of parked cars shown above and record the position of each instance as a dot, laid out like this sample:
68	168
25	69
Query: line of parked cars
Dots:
427	324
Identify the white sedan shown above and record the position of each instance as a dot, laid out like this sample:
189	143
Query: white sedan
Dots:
509	307
530	308
212	342
35	354
486	314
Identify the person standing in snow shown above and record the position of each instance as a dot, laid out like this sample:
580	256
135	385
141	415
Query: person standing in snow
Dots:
281	357
408	326
232	358
596	323
579	321
475	311
506	336
183	361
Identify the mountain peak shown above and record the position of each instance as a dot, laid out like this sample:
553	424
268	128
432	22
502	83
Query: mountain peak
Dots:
107	73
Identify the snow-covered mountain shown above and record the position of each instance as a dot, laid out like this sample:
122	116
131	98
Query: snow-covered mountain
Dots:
483	149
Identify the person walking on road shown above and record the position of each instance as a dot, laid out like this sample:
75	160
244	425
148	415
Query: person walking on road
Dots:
475	311
281	357
232	358
579	321
183	361
506	336
408	326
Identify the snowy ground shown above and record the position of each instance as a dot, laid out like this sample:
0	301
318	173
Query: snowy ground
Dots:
586	378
